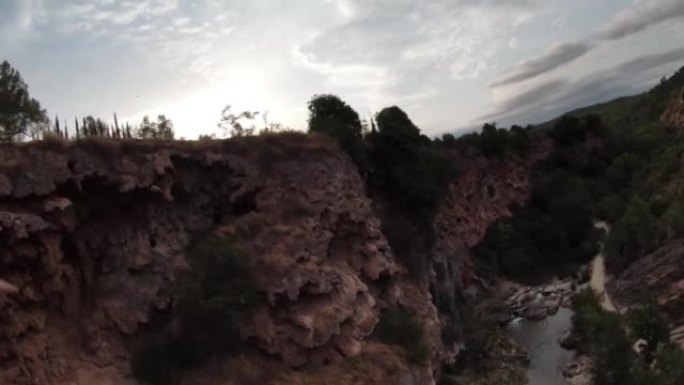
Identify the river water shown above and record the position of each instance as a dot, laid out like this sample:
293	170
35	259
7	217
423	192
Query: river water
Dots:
540	338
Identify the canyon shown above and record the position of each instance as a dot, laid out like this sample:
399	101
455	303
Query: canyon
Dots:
98	232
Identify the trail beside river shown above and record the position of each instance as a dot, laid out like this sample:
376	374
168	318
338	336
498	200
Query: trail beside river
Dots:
598	272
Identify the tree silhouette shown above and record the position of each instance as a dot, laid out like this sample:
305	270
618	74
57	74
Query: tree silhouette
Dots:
162	129
18	111
393	121
329	115
237	124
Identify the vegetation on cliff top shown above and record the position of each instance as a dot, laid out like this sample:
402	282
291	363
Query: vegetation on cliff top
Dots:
406	173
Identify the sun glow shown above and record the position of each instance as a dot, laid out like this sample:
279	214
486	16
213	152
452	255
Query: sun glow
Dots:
197	112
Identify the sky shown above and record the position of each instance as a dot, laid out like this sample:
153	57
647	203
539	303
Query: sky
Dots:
450	64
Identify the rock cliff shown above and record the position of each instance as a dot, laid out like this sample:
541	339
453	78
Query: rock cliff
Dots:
661	275
483	193
674	113
95	234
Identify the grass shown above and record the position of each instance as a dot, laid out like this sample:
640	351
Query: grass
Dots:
264	150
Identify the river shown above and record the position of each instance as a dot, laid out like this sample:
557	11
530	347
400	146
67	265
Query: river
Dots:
540	338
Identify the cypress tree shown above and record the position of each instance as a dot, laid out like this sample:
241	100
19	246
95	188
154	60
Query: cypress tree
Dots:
57	130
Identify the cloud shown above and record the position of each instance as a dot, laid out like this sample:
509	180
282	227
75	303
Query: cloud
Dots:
641	15
552	98
647	62
392	48
558	55
513	105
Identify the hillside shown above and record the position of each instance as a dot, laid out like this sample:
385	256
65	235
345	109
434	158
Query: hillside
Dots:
632	112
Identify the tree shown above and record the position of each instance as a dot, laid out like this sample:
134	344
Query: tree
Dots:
393	121
633	235
236	125
18	111
162	129
329	115
646	322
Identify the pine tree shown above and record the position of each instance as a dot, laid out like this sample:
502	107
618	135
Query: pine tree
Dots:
19	113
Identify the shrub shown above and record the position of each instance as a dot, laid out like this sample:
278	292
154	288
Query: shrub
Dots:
211	299
401	327
609	337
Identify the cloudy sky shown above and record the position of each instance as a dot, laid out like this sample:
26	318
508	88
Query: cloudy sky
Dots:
451	64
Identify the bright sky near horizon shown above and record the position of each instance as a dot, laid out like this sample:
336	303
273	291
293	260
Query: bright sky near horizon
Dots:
451	64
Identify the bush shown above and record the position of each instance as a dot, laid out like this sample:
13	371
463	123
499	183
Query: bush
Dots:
609	337
494	142
401	327
634	235
210	302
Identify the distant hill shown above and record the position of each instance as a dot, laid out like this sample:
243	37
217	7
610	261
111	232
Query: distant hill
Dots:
631	112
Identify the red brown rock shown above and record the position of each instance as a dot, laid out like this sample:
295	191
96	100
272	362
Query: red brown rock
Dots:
660	274
96	233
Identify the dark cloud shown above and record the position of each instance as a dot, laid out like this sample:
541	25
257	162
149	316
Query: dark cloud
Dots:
642	16
513	105
648	62
555	97
557	56
638	17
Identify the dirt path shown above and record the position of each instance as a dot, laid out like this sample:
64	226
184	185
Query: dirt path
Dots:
598	273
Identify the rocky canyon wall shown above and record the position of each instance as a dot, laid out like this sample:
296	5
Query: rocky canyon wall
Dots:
674	113
484	192
660	275
94	235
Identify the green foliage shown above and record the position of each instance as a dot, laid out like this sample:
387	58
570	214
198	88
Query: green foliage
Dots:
668	368
533	244
570	130
632	236
18	111
393	122
237	124
609	337
495	142
401	327
409	177
212	297
554	231
162	129
631	113
648	324
329	115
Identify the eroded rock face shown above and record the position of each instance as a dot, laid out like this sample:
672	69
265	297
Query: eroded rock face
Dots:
483	193
674	113
94	236
660	274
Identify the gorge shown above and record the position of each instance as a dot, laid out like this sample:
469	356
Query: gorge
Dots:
327	260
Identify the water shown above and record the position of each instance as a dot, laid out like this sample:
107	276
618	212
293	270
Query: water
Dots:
540	338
